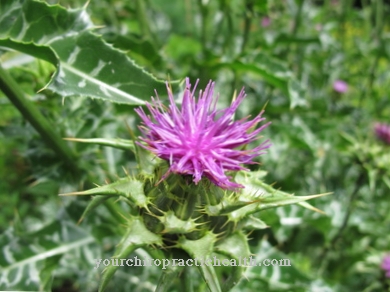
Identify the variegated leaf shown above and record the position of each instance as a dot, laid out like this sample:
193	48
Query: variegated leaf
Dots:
26	262
86	65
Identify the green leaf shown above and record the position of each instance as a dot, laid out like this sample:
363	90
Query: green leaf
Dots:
284	277
288	39
90	67
37	51
235	246
95	202
46	273
165	281
275	76
258	196
261	6
128	187
210	277
137	235
86	64
252	223
175	225
137	46
147	162
202	249
273	72
296	94
115	143
26	262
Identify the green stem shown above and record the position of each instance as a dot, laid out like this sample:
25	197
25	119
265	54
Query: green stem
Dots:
12	90
228	46
166	279
247	24
324	255
187	280
116	211
204	14
294	31
144	21
377	34
297	18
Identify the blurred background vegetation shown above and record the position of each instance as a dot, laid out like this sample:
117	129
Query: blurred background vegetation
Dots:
288	55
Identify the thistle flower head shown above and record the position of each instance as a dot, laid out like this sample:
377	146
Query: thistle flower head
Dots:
199	140
265	21
340	86
382	131
386	265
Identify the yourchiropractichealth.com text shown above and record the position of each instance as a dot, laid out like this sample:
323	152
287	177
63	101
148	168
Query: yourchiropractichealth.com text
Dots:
213	261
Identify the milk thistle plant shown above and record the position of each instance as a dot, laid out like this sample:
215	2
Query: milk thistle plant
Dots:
192	197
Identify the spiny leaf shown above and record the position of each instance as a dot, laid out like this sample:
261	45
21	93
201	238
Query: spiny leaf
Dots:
137	236
86	65
251	223
202	249
258	196
270	201
128	187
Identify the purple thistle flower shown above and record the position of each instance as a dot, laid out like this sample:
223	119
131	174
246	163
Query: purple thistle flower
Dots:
265	21
386	265
198	139
340	86
383	132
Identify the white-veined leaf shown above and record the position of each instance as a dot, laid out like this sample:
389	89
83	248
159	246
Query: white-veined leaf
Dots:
86	64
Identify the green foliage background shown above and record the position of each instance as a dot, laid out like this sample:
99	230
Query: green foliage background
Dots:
323	141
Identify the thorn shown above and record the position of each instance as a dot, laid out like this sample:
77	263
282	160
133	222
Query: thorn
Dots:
249	233
264	106
131	133
80	220
86	4
125	171
226	222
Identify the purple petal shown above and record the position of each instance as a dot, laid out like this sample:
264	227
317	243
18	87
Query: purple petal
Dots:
340	86
199	140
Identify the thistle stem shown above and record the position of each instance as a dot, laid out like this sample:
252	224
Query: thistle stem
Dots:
165	280
378	35
324	255
116	211
186	280
247	24
12	90
144	21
